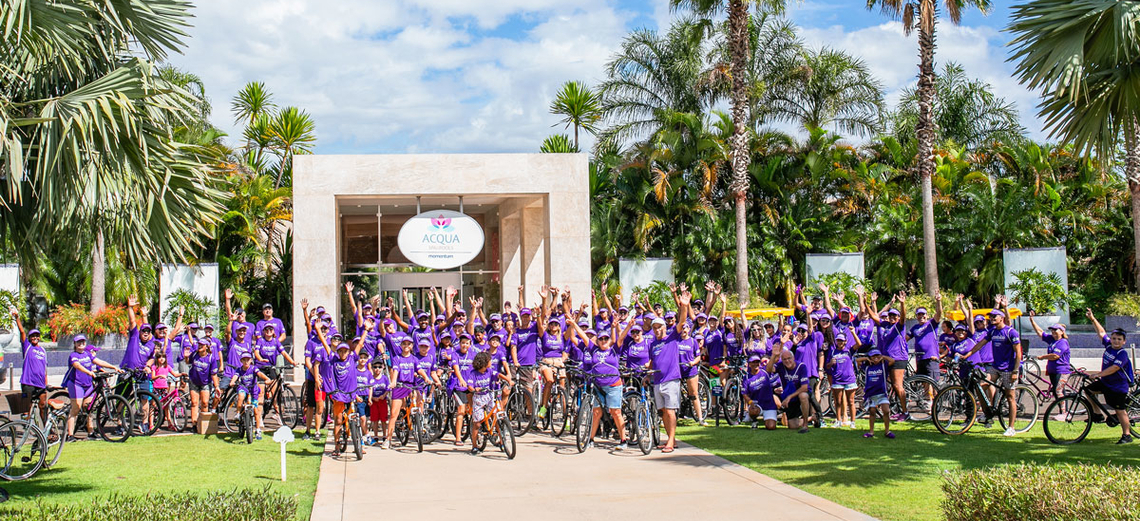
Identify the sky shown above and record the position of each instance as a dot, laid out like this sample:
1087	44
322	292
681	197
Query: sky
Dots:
478	76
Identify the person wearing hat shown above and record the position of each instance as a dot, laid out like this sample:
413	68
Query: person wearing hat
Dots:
236	316
33	374
362	394
1114	379
633	346
461	360
80	383
249	382
202	376
378	401
689	355
962	346
360	310
524	345
552	346
1056	356
403	373
839	363
600	359
312	395
892	344
875	369
267	318
760	395
265	352
139	335
665	359
1006	343
925	335
864	326
425	359
795	397
339	379
240	344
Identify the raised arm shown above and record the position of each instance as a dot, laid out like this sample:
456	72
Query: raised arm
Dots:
305	315
1036	328
1100	332
683	303
19	325
827	299
969	306
351	300
229	293
937	309
132	320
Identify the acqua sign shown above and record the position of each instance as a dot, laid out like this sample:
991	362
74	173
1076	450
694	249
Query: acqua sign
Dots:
441	239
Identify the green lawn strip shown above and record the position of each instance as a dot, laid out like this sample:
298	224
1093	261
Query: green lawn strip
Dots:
896	479
174	463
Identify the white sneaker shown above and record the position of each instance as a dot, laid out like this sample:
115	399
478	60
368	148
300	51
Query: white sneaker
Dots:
1009	432
620	446
851	425
387	444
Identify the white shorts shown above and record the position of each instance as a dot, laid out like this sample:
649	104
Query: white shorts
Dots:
842	387
766	414
667	395
877	400
481	405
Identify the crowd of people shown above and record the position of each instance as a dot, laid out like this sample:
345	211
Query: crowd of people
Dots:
394	351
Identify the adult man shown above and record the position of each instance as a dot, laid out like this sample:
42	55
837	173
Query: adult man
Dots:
665	359
1006	344
267	318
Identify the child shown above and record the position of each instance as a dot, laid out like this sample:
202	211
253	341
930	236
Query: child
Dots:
248	378
378	409
482	400
161	374
841	373
875	390
341	382
362	398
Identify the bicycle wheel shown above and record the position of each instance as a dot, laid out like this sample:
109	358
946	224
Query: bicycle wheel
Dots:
916	398
1032	367
520	411
484	433
147	411
418	432
955	410
247	421
358	439
704	396
731	402
642	426
557	413
825	403
433	426
179	413
56	434
291	410
114	419
23	448
403	429
582	423
1068	419
1027	409
508	437
229	415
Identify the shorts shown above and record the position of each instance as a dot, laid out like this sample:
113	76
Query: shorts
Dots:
765	414
877	400
269	371
361	409
481	405
792	409
338	410
1116	400
253	400
667	395
690	371
224	382
199	388
609	396
308	395
378	411
899	365
1005	379
526	374
460	396
79	392
930	367
844	387
991	372
401	393
31	392
558	365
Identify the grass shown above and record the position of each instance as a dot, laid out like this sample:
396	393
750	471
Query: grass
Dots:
896	479
171	464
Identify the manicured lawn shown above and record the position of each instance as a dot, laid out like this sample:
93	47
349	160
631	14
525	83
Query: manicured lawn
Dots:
893	479
174	463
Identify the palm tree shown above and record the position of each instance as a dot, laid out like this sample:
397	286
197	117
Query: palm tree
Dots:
293	132
925	12
251	101
966	112
1082	57
829	87
579	106
738	42
558	144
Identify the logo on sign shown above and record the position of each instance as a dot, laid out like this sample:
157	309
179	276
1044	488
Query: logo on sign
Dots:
441	239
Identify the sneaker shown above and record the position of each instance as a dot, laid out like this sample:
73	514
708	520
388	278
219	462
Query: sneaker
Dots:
475	451
851	425
71	439
257	435
754	424
903	418
620	446
703	423
387	444
1124	439
1058	417
891	435
837	424
542	412
1009	432
590	444
803	430
306	437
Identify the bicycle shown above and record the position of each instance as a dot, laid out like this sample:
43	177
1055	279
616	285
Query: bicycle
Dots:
496	426
730	394
556	409
1069	418
176	404
23	448
642	423
54	426
246	421
413	419
955	407
114	418
283	400
587	399
353	428
520	409
133	385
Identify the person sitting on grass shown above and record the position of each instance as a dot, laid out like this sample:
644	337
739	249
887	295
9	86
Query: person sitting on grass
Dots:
760	394
247	378
875	390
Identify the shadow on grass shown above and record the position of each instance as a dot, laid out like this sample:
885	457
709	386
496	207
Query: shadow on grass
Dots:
42	485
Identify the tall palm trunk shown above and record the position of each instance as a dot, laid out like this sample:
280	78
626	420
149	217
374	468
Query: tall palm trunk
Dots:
924	130
1132	172
98	273
738	47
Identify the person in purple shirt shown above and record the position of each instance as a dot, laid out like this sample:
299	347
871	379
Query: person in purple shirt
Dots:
340	380
240	344
79	381
760	394
249	381
426	360
601	360
925	338
891	342
482	386
665	359
33	376
635	346
524	345
402	374
1114	379
689	353
265	352
267	318
840	366
962	346
796	385
1056	356
459	366
202	375
139	346
875	367
1006	344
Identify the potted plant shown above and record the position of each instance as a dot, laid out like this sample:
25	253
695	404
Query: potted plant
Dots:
8	334
1041	293
1123	311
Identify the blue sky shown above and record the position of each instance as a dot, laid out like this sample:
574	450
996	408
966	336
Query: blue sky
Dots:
405	76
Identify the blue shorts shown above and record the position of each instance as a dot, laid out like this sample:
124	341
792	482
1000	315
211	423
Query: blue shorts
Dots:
609	397
361	409
253	398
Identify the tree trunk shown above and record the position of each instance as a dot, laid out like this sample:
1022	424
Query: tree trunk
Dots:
98	274
738	45
924	131
576	149
1132	173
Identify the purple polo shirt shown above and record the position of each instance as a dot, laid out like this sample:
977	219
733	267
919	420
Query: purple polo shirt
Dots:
1003	340
202	368
665	357
1059	348
925	340
526	340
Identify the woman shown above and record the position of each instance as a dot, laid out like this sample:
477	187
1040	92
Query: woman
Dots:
80	383
689	353
203	371
601	359
1057	356
460	366
403	372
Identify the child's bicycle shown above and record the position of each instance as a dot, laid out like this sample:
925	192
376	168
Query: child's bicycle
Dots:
1069	418
495	425
247	422
173	404
353	428
411	421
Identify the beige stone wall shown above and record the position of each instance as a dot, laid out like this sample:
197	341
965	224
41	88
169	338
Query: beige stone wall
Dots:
544	225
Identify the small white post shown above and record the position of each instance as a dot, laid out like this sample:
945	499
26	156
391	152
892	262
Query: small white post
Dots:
283	435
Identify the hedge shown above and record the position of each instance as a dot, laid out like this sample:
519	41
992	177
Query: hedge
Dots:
235	505
1043	493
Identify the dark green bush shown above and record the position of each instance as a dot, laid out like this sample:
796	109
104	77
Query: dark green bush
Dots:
235	505
1043	493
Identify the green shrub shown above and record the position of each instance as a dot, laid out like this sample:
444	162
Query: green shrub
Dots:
235	505
1042	493
1125	304
196	308
1039	291
838	282
9	298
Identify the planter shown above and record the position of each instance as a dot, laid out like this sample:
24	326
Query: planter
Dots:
1043	321
9	341
1124	322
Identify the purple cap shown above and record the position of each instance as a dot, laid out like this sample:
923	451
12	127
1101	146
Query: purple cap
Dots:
802	327
920	311
203	341
648	316
243	326
1054	326
591	332
524	311
553	321
441	317
671	314
336	336
193	325
961	327
247	354
458	323
366	306
979	318
714	317
143	327
423	314
33	332
423	341
893	311
319	309
996	313
160	325
79	338
495	316
635	328
882	314
604	334
389	322
208	326
845	309
461	312
464	335
874	352
623	309
702	315
754	358
496	335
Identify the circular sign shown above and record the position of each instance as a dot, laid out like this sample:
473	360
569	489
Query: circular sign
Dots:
441	239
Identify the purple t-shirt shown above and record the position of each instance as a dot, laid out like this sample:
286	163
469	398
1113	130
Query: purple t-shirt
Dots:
792	379
1004	340
925	340
247	379
891	337
312	346
278	327
137	352
1121	380
233	359
1059	348
79	378
526	342
553	345
202	367
343	376
35	365
405	367
425	361
268	349
986	353
665	357
865	330
760	388
964	346
807	352
465	363
637	353
364	379
380	384
843	372
603	361
481	380
875	382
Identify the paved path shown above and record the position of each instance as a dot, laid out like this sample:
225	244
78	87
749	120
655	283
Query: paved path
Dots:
446	483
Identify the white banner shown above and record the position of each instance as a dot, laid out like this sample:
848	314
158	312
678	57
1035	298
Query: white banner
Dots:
441	239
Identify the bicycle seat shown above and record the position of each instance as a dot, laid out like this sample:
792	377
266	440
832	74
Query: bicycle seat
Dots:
57	404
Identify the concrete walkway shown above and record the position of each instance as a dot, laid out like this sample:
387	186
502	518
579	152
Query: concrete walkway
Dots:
550	479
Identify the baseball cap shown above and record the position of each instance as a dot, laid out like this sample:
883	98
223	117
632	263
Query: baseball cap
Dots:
658	322
1060	327
996	313
754	358
79	338
961	327
893	311
496	316
269	306
920	311
525	311
874	352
